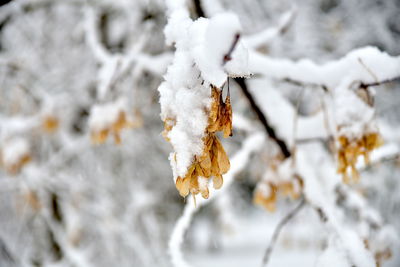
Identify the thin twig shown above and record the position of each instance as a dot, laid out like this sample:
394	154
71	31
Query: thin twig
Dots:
326	89
228	56
278	229
198	8
380	82
270	131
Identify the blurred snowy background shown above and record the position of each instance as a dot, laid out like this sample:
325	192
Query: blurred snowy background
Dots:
85	179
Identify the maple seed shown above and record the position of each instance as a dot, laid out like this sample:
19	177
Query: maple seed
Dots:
100	136
220	118
218	181
350	150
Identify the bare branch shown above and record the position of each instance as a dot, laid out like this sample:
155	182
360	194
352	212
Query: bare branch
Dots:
270	131
198	8
228	55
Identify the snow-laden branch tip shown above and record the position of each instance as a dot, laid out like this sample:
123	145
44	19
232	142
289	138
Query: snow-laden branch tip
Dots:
238	162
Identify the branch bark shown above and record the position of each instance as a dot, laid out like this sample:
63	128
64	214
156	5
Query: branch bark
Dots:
198	8
270	131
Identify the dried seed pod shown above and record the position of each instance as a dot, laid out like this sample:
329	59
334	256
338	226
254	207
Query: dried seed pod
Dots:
218	181
220	118
205	193
266	196
227	117
222	158
350	150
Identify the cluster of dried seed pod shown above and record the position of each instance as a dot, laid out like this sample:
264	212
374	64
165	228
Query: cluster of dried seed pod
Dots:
213	162
266	193
349	151
99	136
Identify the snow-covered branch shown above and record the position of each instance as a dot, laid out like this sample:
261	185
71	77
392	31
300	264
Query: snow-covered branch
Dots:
331	74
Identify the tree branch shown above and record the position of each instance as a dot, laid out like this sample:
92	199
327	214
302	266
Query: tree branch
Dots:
198	8
270	131
278	229
228	56
364	85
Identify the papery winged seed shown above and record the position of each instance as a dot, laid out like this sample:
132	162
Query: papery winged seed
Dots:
205	193
185	188
194	185
178	183
214	161
227	117
218	181
198	171
205	164
223	160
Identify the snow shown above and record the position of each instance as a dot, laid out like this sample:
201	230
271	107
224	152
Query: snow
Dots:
333	256
352	116
218	38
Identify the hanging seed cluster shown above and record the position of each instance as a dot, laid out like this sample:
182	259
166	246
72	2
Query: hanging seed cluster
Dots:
266	194
348	153
213	162
99	136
